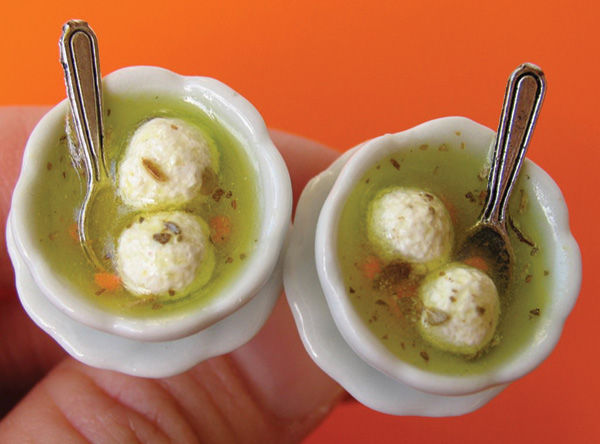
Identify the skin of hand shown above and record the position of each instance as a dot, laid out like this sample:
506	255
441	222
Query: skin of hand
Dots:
269	390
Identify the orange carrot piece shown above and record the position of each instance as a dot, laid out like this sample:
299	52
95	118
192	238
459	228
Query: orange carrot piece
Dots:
406	290
477	262
221	229
451	209
107	281
371	267
74	232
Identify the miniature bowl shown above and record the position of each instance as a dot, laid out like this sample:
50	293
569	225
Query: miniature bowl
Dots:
238	117
561	249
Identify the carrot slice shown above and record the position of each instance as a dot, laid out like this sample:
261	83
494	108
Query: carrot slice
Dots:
451	209
74	232
107	281
221	229
371	267
406	289
477	262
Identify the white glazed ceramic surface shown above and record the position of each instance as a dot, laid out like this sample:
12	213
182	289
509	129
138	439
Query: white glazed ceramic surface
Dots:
245	123
356	337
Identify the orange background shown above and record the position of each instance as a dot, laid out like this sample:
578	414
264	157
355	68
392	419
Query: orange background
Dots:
344	71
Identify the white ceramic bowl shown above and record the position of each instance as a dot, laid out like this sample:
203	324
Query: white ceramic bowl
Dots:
148	359
321	337
239	117
559	244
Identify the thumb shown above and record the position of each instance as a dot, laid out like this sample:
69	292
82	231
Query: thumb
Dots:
267	391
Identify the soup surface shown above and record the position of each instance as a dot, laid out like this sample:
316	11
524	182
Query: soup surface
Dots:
388	302
227	204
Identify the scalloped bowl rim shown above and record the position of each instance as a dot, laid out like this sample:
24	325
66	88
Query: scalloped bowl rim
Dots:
239	117
566	258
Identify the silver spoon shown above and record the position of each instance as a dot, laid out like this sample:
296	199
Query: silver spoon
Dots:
489	236
79	58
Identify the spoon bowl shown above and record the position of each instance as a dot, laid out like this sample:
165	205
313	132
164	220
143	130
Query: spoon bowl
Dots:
488	238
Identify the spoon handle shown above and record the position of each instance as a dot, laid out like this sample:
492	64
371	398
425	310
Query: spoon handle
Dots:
522	101
79	58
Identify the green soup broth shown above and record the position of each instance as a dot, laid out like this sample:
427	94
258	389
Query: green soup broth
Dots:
458	176
60	188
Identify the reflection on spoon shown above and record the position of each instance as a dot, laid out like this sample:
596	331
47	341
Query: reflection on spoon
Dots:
79	58
488	238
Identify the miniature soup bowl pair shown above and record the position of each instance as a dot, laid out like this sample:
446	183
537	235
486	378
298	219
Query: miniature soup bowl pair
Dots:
270	193
448	158
539	322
